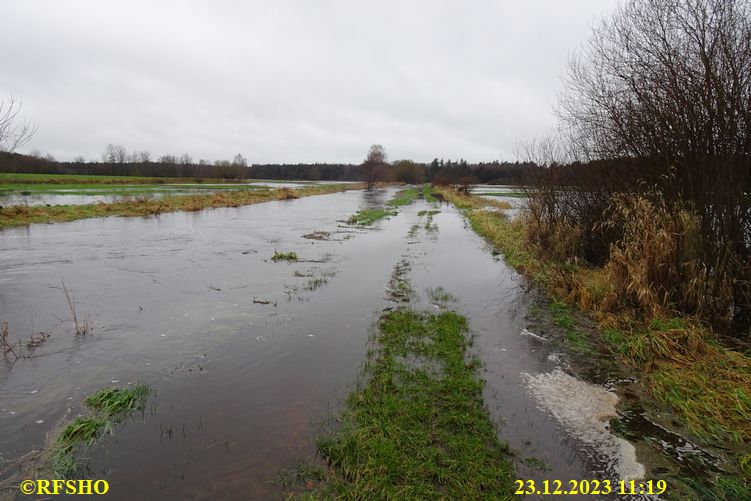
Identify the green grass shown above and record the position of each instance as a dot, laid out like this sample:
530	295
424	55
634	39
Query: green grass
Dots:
366	217
111	406
284	256
417	428
427	193
428	213
403	197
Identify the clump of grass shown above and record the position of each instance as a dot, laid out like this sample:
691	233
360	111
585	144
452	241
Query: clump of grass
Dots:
428	213
284	256
366	217
111	406
315	283
416	433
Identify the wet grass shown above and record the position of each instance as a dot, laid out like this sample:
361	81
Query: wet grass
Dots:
403	197
366	217
462	201
23	215
441	295
680	362
284	256
427	193
428	213
111	406
416	428
315	283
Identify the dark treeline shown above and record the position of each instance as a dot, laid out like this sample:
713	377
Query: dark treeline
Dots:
438	171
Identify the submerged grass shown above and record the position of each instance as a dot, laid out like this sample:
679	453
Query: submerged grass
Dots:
681	362
417	428
111	406
20	215
366	217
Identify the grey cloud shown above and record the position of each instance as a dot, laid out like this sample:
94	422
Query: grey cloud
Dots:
289	81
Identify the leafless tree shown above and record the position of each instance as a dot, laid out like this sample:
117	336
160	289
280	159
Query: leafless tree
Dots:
13	134
240	160
667	83
373	164
115	154
144	157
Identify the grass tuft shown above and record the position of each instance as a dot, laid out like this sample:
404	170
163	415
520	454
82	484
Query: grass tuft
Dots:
284	256
111	406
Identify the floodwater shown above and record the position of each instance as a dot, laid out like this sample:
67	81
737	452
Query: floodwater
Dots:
248	358
118	193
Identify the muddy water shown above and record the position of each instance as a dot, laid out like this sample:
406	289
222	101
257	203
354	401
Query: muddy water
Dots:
247	357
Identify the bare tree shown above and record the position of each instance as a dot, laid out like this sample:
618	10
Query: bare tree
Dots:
115	154
13	134
240	160
667	84
144	157
373	164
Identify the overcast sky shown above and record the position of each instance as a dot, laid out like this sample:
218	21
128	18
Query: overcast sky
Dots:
289	81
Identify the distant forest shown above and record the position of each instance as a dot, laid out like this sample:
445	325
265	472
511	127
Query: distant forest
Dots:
438	171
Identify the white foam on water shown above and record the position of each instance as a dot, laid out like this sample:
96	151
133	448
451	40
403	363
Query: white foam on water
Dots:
584	410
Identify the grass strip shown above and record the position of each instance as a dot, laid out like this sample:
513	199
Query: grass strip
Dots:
417	428
111	406
403	197
366	217
22	215
427	193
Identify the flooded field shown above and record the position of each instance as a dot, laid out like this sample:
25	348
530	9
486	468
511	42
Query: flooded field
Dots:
91	194
248	358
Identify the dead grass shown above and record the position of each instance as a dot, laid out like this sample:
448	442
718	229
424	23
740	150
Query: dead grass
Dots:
464	201
681	362
23	215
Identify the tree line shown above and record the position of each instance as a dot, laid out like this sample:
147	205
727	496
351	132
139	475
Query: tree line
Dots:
117	161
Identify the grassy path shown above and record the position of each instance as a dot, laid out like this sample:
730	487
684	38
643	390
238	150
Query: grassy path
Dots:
416	428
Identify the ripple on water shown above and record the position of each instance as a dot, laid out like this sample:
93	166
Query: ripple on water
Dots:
584	410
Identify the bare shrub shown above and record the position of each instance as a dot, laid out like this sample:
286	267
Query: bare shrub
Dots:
83	326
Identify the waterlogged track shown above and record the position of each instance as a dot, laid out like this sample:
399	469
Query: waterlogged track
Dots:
246	356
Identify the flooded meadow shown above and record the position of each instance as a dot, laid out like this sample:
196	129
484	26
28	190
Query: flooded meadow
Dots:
249	358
